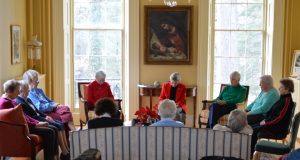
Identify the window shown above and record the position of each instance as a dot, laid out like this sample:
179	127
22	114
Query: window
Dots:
98	42
238	31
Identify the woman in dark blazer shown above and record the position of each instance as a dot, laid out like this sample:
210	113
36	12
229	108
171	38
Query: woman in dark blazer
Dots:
30	110
104	109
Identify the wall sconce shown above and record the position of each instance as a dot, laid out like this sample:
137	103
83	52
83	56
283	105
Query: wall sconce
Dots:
34	50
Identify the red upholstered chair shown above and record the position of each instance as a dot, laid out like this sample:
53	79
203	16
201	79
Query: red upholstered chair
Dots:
15	140
85	113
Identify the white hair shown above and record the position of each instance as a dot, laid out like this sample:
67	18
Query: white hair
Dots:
267	79
23	85
167	109
29	75
235	75
10	86
100	74
175	76
237	120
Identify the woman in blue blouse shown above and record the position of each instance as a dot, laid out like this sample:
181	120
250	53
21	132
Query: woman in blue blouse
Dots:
45	104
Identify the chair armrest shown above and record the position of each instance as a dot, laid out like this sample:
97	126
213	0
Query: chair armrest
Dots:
206	104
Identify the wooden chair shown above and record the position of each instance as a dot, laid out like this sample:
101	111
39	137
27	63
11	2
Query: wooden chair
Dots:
203	116
84	112
278	148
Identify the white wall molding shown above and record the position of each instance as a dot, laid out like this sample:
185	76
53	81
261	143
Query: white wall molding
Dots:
131	63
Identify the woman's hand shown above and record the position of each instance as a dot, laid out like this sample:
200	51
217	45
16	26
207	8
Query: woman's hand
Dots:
42	124
220	102
263	122
49	119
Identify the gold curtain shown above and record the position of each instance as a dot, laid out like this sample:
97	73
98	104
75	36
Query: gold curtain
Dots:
39	22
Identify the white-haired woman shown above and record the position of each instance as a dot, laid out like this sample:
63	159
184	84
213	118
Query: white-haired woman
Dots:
176	91
98	89
237	122
227	100
44	104
264	102
167	113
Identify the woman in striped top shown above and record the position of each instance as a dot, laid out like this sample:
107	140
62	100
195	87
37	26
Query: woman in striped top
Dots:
278	119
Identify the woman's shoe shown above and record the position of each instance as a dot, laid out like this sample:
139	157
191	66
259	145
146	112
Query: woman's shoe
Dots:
65	156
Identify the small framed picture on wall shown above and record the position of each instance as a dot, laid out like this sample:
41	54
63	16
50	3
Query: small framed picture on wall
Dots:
15	31
296	63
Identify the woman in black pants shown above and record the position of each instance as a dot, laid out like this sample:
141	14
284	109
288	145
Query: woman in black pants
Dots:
279	117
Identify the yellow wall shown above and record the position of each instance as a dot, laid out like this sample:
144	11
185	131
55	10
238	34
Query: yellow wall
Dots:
150	73
11	12
292	33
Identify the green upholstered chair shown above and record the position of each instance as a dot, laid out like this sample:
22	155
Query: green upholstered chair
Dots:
278	148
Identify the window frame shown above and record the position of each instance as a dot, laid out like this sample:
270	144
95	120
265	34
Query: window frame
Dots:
212	31
73	29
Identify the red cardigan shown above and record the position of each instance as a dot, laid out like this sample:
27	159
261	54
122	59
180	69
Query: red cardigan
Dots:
95	91
180	94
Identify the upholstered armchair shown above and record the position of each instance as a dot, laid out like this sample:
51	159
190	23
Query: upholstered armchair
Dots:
203	116
85	113
15	138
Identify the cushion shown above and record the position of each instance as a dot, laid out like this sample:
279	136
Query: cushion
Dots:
13	115
272	147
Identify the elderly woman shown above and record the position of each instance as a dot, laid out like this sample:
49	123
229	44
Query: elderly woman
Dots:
176	91
278	119
48	133
44	104
227	100
237	122
98	89
263	103
167	113
104	109
30	110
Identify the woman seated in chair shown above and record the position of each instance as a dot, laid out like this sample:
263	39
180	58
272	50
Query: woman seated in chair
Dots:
30	110
257	110
98	89
237	122
278	119
104	109
227	100
43	129
44	104
167	113
176	91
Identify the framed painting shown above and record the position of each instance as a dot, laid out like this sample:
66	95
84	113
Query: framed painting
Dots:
296	63
168	35
15	31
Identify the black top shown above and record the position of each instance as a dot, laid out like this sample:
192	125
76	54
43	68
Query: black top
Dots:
28	110
104	122
280	115
173	93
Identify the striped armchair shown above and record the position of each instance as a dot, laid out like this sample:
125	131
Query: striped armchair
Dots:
151	143
203	116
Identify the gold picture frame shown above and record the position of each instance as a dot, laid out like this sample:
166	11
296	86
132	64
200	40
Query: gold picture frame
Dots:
15	31
168	37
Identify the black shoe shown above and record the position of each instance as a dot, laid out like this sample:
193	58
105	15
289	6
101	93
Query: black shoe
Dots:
65	156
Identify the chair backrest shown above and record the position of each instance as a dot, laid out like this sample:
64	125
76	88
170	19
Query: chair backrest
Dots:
294	131
292	115
128	143
247	90
81	89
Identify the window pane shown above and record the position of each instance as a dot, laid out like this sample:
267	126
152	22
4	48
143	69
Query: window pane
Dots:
98	13
254	16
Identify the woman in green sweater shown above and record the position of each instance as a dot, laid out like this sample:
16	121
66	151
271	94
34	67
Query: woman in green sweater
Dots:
227	100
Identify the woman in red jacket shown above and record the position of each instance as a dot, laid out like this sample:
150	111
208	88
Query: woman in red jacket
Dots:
176	91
